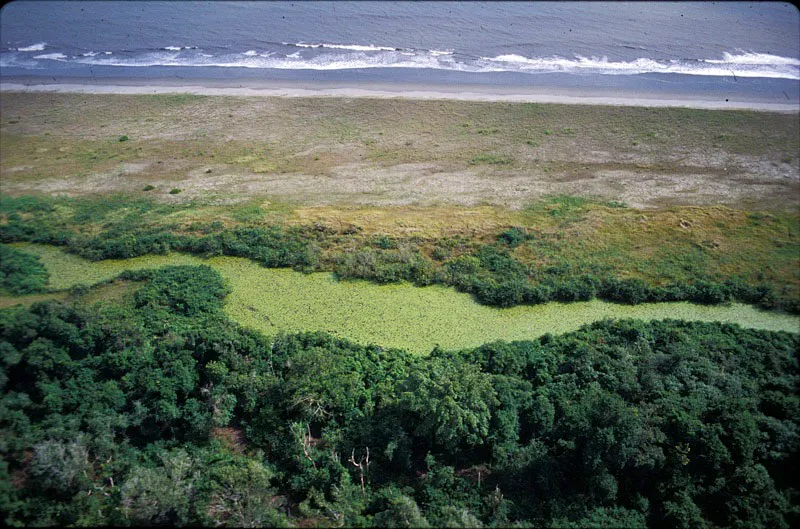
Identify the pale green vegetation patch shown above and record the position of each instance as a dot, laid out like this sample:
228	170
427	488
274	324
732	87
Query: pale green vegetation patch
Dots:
398	315
29	299
67	270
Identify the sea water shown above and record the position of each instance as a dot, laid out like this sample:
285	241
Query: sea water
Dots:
694	47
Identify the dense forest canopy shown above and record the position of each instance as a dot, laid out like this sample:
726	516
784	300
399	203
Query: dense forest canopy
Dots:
157	409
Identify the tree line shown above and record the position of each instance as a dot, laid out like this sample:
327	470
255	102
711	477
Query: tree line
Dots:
157	409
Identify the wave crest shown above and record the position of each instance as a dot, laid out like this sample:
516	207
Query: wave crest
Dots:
39	46
342	57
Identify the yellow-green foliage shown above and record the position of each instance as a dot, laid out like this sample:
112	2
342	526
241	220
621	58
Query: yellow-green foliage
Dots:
417	319
67	270
398	315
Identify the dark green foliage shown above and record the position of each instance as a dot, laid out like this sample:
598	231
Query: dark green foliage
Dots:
578	288
627	291
490	272
513	237
184	290
449	403
386	266
21	273
174	191
158	410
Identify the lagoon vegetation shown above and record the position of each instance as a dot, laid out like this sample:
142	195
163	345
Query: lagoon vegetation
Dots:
566	249
402	315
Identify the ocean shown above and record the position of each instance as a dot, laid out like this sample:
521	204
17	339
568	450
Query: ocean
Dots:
752	48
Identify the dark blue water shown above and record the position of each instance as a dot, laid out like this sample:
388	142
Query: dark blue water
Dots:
514	43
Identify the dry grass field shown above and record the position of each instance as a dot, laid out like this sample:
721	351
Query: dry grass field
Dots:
390	152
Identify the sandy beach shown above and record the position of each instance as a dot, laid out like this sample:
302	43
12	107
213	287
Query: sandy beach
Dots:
276	88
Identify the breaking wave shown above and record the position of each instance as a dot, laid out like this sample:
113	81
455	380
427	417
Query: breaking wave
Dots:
742	65
39	46
322	56
354	47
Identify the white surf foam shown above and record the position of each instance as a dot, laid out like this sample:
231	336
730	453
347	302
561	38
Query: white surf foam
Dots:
353	47
738	64
39	46
754	58
51	56
742	65
268	60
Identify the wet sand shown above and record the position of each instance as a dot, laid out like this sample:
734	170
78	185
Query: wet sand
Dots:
273	88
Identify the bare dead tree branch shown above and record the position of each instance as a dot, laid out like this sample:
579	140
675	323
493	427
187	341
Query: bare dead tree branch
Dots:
362	466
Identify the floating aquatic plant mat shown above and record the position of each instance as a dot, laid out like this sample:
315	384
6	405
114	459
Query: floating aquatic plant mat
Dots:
398	315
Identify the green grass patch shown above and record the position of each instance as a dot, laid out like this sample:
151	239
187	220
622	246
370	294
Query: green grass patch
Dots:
491	159
170	99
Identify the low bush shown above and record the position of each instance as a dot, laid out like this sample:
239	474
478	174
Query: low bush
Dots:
386	266
21	273
184	290
631	291
513	237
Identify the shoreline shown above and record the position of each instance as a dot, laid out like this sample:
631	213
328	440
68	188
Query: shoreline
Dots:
336	89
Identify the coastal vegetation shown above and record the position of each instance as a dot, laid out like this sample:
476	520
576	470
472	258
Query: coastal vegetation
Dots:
20	272
155	408
400	315
385	313
566	249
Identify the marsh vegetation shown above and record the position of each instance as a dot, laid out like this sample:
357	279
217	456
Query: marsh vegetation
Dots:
374	313
400	316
